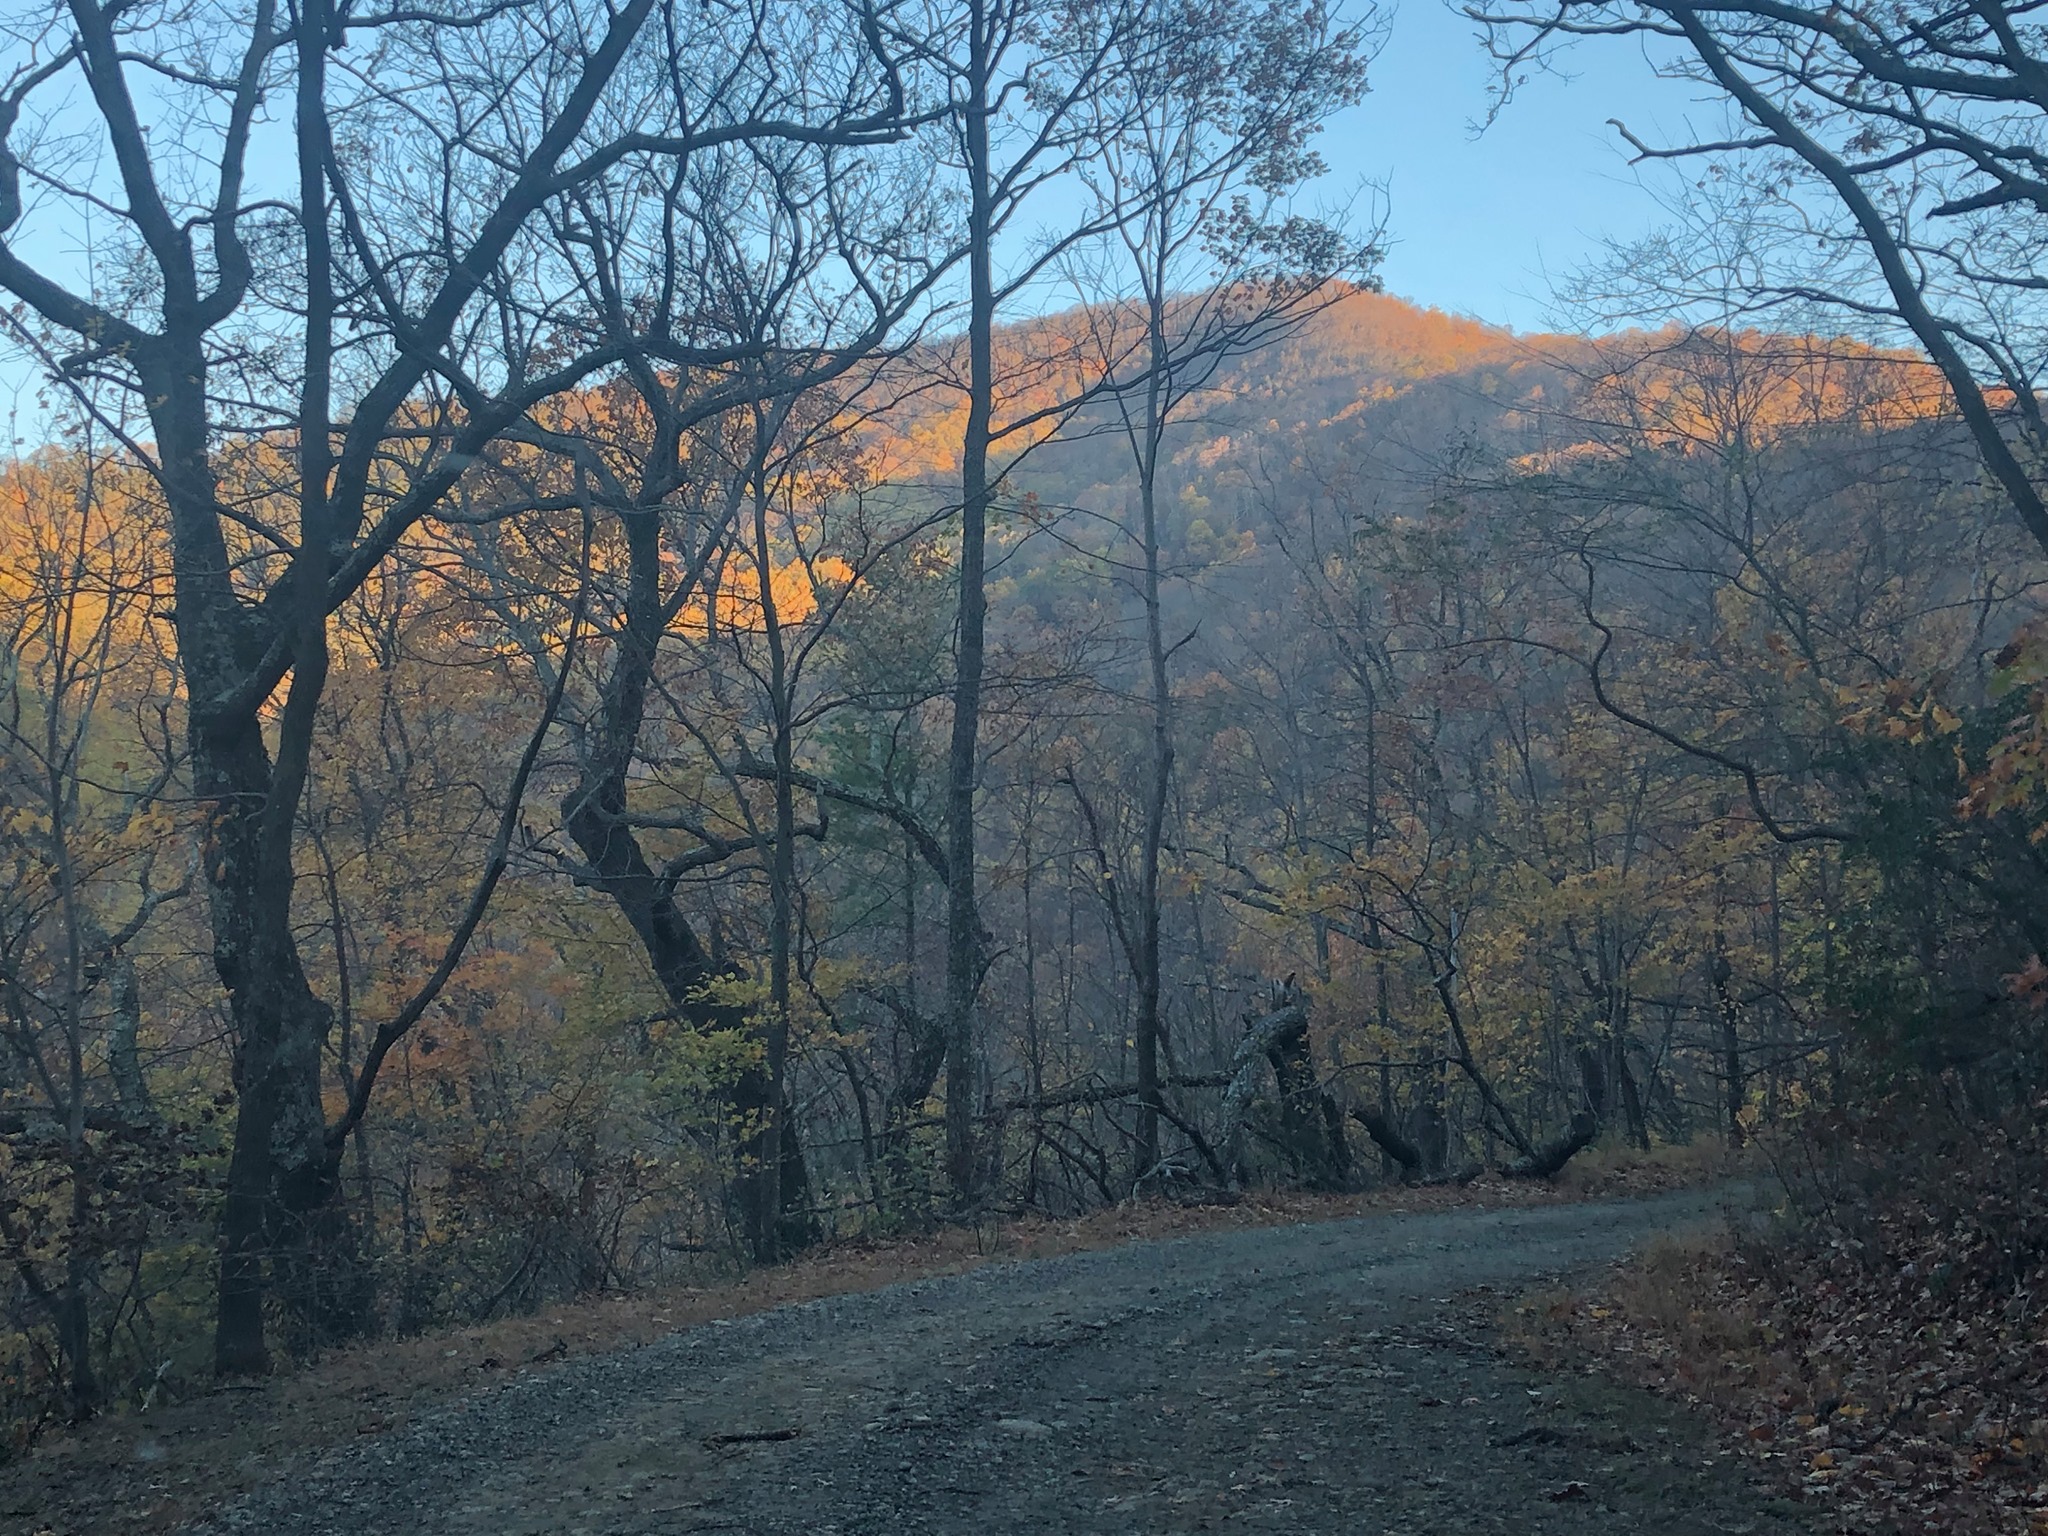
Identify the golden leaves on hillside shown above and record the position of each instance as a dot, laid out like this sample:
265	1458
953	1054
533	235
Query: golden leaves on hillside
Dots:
794	590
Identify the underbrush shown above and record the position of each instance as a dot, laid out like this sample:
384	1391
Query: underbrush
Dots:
1880	1339
1619	1168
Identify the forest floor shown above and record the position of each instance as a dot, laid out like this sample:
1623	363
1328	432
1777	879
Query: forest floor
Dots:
1331	1375
1879	1347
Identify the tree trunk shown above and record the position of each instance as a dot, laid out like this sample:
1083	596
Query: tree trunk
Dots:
74	1312
618	867
1631	1096
915	1080
1311	1125
964	945
1733	1086
1160	782
772	1182
1548	1160
1310	1121
779	1226
279	1171
1394	1147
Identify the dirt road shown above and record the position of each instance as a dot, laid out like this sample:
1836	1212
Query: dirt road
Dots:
1323	1378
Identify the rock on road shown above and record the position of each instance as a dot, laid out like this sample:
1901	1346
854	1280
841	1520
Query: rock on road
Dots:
1317	1378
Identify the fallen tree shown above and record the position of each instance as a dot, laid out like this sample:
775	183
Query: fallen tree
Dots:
1542	1160
1388	1138
1548	1160
1311	1124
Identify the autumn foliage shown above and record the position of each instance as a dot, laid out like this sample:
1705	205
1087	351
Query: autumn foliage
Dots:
1583	722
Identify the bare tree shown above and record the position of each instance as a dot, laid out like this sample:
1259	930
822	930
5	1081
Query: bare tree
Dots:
1023	78
383	316
751	301
1210	117
1896	160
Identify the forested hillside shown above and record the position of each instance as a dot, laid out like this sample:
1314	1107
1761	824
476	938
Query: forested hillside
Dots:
625	680
1601	737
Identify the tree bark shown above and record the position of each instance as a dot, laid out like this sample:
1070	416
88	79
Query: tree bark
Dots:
279	1171
1160	780
1733	1087
1311	1125
964	945
777	1227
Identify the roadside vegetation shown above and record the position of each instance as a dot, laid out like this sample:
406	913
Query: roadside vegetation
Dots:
1875	1342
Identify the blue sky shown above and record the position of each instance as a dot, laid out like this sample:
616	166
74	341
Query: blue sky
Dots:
1482	223
1477	223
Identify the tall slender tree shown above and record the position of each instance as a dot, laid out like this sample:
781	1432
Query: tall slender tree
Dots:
1024	79
1213	109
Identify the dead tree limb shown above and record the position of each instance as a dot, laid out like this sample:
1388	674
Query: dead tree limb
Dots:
881	802
1445	983
1549	1159
1388	1138
1245	1061
1197	1141
1083	1094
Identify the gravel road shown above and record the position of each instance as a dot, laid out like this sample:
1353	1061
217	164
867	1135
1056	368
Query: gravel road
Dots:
1332	1377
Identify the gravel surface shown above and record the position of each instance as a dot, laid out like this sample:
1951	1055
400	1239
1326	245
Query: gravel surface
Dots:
1331	1377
